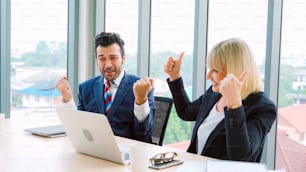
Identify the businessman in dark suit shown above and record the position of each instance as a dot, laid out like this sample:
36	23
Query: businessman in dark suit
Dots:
132	109
233	116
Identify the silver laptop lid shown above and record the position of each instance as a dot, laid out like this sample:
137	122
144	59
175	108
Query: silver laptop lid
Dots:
91	134
47	131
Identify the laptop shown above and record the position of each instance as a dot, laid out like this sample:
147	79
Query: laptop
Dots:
47	131
91	134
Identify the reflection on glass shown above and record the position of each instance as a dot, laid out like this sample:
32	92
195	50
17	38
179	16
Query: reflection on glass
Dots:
122	17
38	54
291	128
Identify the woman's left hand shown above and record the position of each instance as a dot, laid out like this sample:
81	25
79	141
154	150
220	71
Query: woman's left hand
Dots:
230	88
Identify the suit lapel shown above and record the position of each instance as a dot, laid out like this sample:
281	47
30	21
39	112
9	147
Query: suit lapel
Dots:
207	106
219	128
216	132
204	111
98	91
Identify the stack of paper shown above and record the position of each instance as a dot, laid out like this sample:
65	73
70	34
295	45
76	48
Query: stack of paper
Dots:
234	166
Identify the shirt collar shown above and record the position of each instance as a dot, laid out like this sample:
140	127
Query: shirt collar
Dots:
118	80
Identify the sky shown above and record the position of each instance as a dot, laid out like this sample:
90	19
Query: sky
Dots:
172	24
34	20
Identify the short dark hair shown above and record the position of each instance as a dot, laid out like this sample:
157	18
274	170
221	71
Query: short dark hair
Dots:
105	39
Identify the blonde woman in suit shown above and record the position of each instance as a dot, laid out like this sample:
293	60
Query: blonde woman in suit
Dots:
232	117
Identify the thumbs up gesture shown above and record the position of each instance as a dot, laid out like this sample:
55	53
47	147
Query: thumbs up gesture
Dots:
230	88
173	67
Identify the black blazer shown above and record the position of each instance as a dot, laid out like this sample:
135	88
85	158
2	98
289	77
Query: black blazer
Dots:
240	135
121	115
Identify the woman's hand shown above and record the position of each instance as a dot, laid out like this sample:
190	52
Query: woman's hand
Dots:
173	67
230	88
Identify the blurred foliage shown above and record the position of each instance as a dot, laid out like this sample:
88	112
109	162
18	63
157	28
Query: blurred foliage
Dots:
46	54
285	87
177	130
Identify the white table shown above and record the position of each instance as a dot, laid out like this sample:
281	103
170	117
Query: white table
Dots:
20	151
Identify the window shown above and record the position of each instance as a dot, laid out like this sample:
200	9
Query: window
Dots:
38	52
172	33
242	19
291	129
122	17
36	99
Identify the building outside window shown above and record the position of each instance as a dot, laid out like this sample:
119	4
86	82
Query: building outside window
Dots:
291	128
38	53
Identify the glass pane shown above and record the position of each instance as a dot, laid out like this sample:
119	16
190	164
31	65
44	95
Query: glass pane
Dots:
245	19
38	54
172	33
122	17
291	128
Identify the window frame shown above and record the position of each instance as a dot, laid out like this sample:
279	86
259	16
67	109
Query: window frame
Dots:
273	47
5	60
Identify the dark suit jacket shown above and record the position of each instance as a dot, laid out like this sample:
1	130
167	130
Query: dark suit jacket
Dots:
121	115
239	136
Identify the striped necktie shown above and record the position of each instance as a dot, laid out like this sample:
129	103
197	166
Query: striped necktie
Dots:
107	96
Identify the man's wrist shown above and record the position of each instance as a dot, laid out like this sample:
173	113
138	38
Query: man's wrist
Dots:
140	101
65	100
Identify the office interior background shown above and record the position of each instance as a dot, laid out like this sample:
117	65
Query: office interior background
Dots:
42	41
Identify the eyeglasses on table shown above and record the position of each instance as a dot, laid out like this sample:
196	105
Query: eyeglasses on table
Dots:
162	158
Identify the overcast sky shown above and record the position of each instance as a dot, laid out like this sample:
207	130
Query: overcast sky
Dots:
172	24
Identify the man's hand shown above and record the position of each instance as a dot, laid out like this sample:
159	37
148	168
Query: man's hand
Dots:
141	89
173	67
63	87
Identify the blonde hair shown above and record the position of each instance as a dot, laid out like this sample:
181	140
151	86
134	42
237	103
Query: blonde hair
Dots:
234	56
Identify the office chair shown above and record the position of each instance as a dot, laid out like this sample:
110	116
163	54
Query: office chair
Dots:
163	108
